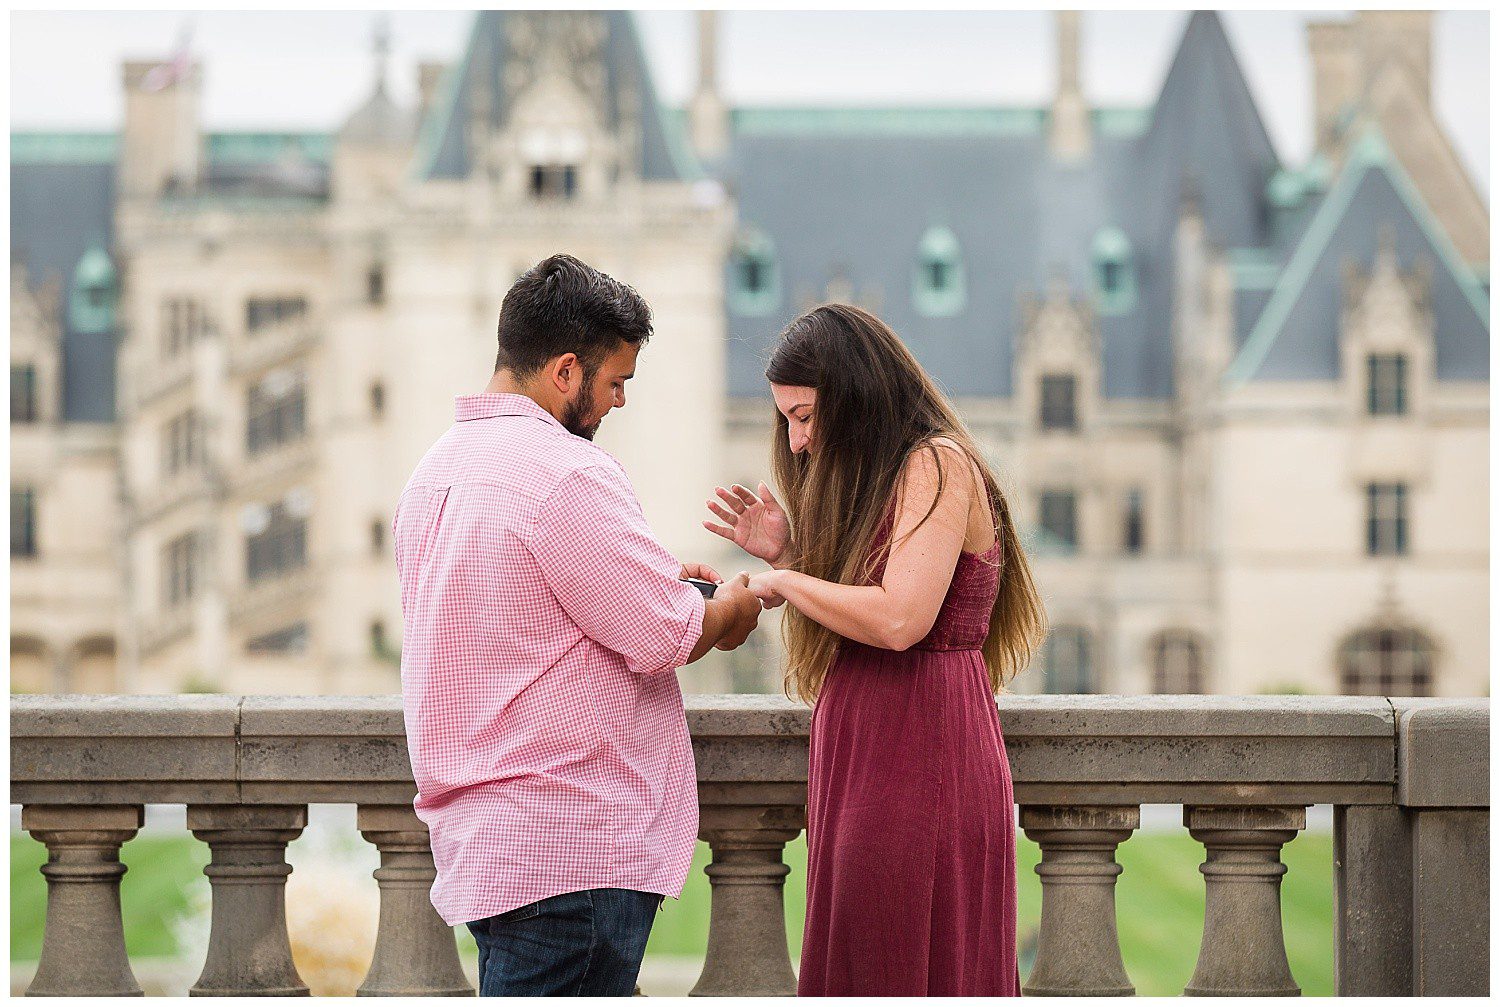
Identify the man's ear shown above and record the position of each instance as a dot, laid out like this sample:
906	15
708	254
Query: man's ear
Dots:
564	371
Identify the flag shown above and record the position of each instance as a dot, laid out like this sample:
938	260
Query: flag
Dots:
164	75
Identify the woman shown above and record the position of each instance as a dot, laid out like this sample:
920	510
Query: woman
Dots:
910	604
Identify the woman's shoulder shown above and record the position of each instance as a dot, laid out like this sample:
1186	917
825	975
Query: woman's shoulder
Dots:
937	458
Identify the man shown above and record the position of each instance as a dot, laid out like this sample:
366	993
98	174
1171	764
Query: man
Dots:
543	624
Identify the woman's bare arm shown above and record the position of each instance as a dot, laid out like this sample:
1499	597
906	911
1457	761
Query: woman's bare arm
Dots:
901	610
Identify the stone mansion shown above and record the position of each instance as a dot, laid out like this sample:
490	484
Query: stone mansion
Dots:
1241	406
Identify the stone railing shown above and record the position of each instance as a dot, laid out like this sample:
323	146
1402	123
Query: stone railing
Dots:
1408	780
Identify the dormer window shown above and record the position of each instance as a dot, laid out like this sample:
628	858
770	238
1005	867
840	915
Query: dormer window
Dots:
91	302
754	283
1059	402
1114	272
1386	376
23	398
938	286
553	181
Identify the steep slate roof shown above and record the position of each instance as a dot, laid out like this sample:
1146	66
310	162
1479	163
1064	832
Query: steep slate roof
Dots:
850	192
443	151
1295	336
57	212
62	202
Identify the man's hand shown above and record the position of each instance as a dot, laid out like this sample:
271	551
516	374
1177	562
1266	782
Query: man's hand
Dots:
744	607
700	571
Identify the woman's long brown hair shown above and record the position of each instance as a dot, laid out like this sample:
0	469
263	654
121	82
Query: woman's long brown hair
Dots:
875	406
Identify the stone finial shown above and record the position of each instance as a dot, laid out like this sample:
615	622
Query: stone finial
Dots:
1069	132
708	115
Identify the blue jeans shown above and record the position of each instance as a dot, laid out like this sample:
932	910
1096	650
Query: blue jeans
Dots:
587	943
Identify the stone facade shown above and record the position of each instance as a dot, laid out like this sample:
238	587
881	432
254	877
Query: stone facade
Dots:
298	312
64	591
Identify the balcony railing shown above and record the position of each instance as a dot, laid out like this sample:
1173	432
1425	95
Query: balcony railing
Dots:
1408	780
274	344
156	378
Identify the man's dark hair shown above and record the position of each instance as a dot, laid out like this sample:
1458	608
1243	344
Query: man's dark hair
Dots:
562	305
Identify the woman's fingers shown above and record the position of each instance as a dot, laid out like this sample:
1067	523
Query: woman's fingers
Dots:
734	502
749	498
720	530
731	519
768	496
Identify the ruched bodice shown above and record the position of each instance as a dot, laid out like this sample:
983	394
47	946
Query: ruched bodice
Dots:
964	619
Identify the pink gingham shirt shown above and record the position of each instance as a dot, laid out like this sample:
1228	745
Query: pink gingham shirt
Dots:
543	623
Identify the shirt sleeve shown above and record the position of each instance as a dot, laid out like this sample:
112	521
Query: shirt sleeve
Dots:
611	575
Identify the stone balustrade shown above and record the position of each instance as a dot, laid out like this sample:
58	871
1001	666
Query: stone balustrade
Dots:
1408	780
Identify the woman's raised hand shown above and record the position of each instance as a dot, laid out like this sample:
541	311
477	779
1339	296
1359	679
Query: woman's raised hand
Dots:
754	522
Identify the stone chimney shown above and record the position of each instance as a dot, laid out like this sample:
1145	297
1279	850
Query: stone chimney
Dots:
1336	78
162	146
429	76
1400	36
1348	55
707	115
1069	132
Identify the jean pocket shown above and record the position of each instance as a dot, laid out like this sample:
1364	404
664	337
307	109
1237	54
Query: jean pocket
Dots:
525	912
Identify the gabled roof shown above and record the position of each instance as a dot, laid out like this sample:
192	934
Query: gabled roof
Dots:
1295	336
1207	141
849	192
477	81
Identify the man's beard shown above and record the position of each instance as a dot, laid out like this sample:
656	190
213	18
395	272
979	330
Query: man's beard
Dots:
576	411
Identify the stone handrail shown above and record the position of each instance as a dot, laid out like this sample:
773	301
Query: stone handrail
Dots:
1408	779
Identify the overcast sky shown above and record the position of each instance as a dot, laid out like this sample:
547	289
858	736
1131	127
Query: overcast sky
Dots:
295	70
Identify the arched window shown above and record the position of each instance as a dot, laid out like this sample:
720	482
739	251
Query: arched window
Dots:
30	665
1386	661
1177	658
1114	272
754	281
938	288
1068	661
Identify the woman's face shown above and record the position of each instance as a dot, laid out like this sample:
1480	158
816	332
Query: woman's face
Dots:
796	403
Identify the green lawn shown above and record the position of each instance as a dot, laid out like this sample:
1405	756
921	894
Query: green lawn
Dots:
1160	904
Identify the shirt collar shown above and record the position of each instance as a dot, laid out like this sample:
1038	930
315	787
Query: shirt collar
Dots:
484	405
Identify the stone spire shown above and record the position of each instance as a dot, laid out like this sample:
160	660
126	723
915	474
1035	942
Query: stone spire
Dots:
1069	129
379	121
708	117
382	50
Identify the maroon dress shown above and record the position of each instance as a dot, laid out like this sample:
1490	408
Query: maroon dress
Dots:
911	865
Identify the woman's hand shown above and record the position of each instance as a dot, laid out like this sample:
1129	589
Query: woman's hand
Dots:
765	586
755	523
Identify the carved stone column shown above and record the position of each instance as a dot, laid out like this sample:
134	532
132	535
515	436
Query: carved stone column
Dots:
1078	951
83	945
747	948
249	953
1243	951
415	954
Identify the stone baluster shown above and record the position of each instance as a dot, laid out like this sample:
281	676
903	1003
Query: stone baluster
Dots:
1243	952
249	952
747	947
1078	950
83	945
415	954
